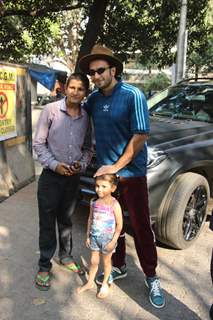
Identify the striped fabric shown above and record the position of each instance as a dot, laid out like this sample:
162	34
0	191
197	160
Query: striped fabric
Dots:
116	118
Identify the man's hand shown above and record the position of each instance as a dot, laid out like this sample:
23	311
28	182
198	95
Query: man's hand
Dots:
134	146
109	169
64	169
75	167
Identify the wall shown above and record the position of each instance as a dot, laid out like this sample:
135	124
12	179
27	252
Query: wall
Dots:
16	163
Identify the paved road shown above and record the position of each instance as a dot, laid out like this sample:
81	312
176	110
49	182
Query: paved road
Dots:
184	274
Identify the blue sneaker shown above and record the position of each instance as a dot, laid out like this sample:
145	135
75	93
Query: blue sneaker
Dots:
156	296
116	273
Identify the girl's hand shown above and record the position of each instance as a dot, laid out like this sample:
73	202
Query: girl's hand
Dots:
88	242
110	246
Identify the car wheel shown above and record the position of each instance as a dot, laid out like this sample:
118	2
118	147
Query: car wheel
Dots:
183	211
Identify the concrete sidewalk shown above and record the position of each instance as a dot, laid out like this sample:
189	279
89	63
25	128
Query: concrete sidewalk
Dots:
184	274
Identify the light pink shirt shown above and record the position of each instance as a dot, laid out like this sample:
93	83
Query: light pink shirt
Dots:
62	138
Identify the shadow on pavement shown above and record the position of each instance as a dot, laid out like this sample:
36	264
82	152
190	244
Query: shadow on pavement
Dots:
183	277
134	289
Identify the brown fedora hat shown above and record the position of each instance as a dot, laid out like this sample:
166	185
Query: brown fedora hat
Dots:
99	52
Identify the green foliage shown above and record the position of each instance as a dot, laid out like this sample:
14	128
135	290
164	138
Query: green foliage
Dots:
151	27
157	82
200	56
35	27
21	37
31	27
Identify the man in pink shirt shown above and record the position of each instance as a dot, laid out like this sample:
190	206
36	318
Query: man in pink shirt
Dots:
64	149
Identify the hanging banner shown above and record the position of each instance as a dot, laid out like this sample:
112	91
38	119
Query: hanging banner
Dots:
7	103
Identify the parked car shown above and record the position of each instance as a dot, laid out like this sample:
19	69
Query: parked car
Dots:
43	99
180	161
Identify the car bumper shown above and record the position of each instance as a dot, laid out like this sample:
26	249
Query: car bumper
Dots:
159	180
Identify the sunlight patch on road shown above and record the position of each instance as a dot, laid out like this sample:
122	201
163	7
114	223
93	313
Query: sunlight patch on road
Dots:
5	279
4	232
6	307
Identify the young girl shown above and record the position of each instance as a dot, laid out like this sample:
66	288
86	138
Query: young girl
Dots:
103	229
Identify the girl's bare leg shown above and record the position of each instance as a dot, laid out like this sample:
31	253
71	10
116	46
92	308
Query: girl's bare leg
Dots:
95	259
107	261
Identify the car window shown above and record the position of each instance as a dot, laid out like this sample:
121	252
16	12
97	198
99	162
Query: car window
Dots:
192	102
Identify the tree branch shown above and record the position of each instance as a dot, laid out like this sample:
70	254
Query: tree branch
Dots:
38	12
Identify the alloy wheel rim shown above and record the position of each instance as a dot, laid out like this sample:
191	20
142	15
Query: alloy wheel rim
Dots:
194	213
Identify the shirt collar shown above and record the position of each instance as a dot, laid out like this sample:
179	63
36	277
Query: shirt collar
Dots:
63	108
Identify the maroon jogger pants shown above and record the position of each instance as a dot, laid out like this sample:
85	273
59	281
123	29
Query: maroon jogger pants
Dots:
133	195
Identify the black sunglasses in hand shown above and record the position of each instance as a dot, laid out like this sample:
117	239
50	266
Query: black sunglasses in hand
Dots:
99	71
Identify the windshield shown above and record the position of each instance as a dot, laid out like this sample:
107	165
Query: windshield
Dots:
192	102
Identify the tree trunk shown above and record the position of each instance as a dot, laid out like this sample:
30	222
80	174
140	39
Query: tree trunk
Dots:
96	19
196	72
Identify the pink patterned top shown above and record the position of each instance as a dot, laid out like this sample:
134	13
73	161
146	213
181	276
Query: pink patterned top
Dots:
103	221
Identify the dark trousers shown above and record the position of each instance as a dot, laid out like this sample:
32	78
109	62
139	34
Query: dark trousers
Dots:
57	196
133	195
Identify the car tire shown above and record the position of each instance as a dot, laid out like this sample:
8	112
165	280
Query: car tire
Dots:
183	211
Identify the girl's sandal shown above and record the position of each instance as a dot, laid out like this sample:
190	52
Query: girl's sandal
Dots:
104	292
42	283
